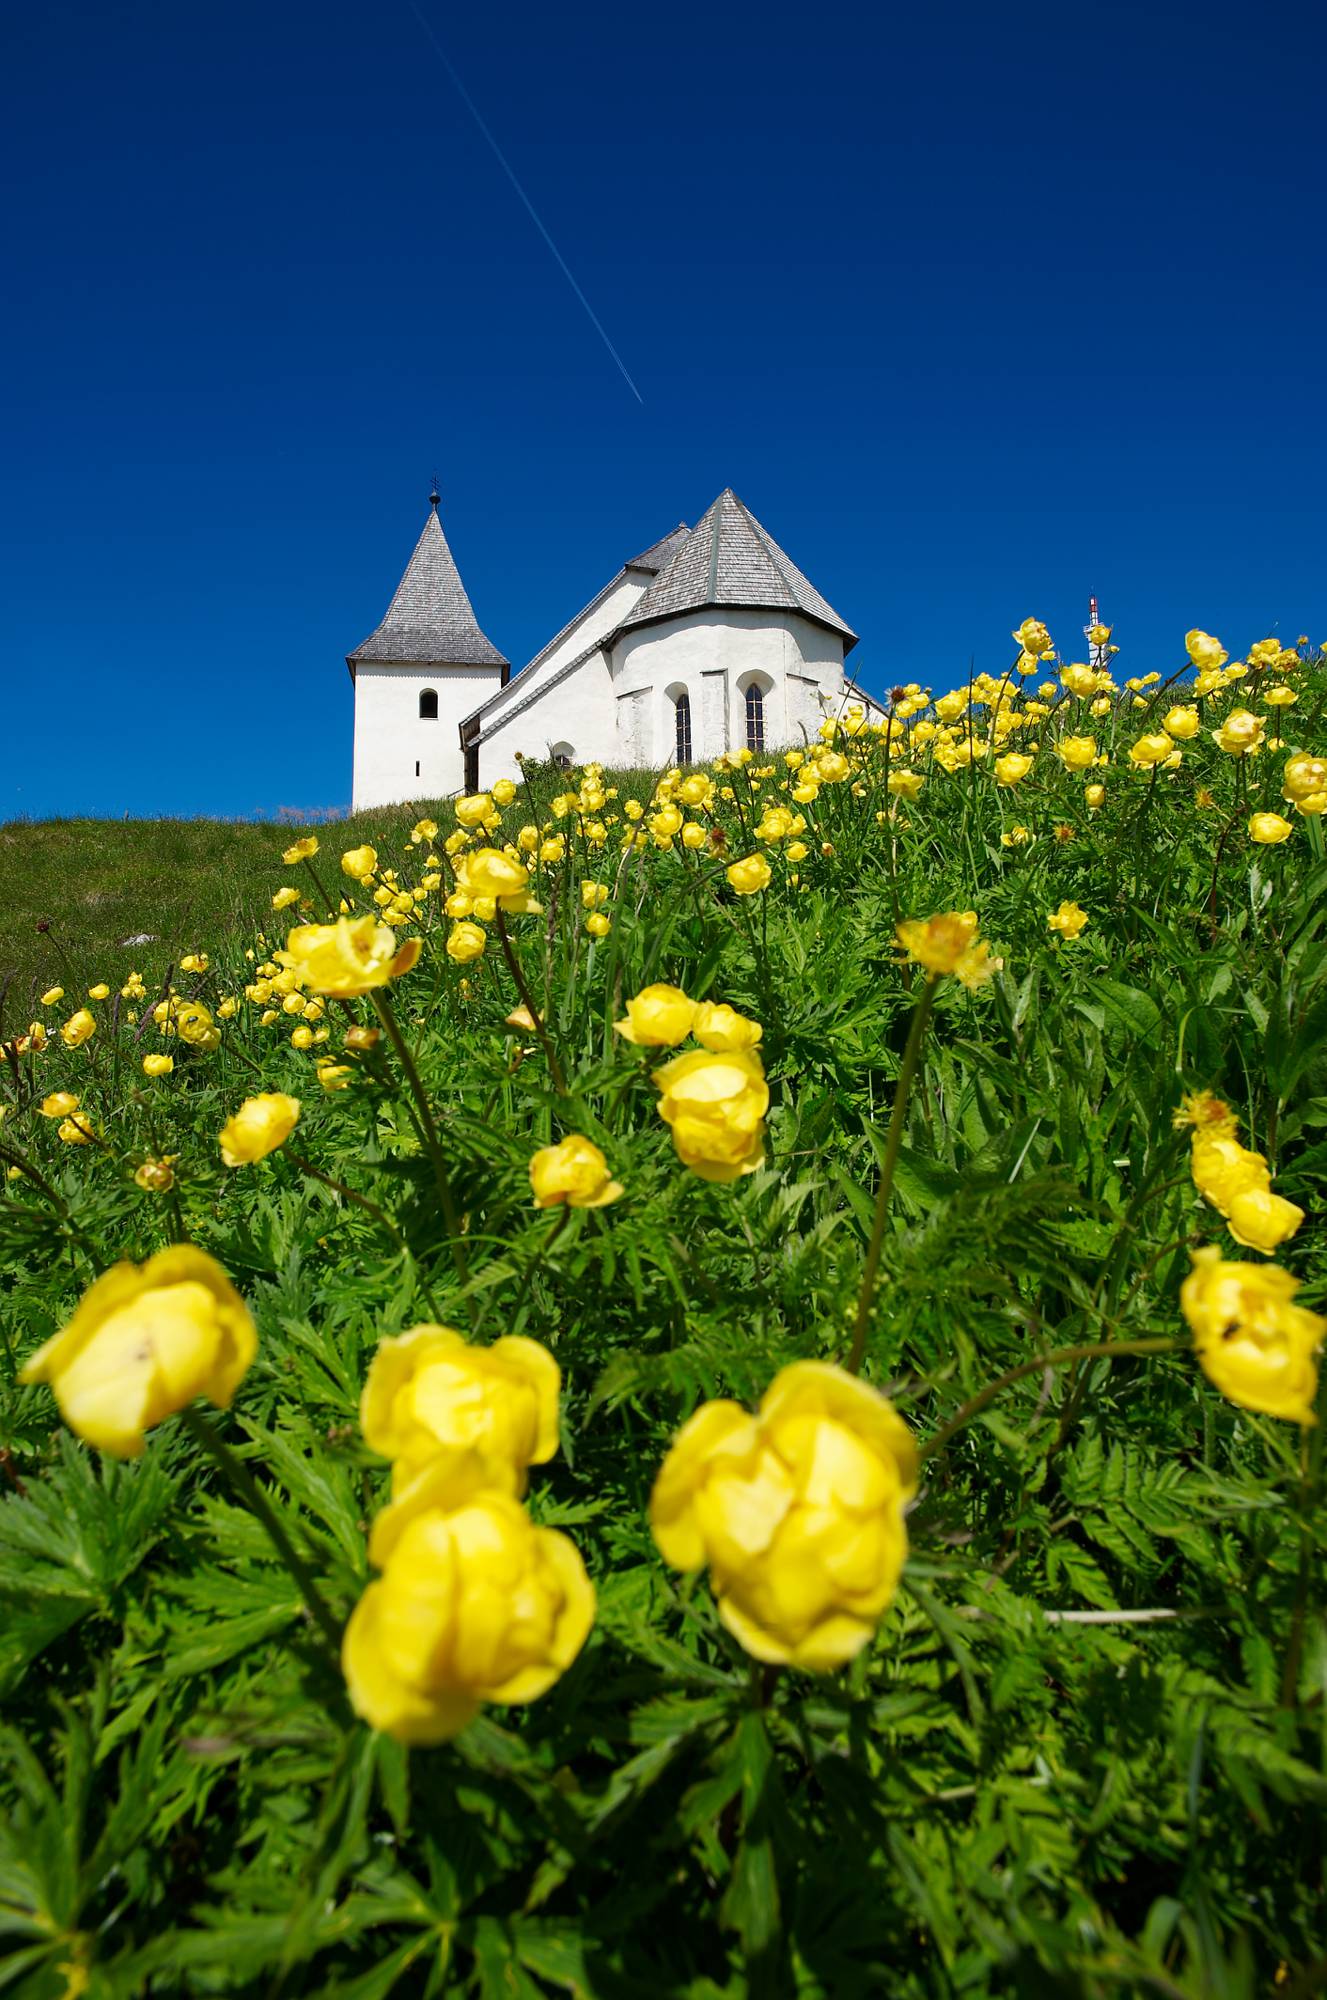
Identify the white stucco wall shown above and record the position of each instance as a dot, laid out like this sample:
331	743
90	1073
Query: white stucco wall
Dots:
510	723
577	713
391	738
714	653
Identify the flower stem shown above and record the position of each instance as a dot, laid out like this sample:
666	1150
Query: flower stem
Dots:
245	1485
893	1142
527	1001
383	1008
1087	1351
304	1166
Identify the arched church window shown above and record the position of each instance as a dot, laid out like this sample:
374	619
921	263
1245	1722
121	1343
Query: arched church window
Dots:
428	705
755	717
682	728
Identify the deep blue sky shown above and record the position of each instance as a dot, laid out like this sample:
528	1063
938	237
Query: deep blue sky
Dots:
978	308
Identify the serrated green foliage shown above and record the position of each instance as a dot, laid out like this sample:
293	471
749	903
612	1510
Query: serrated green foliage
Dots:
1085	1755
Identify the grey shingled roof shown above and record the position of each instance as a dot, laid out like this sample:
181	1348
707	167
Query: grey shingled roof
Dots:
660	554
430	620
728	559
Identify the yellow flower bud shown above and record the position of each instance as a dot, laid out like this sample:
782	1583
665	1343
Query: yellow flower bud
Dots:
143	1342
798	1512
598	925
158	1065
465	943
1269	829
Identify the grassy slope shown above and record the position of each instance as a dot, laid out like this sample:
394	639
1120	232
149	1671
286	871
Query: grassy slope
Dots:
189	882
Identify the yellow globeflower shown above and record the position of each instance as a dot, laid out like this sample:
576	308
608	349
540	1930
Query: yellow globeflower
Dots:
1069	920
1079	679
78	1028
1302	777
471	812
360	862
504	792
715	1105
143	1342
260	1125
283	898
157	1176
51	995
1077	753
1269	829
721	1028
423	831
1241	732
59	1104
465	943
428	1391
598	925
351	956
798	1513
75	1130
1033	637
1095	796
1151	750
1253	1341
1204	650
1280	697
574	1173
949	943
475	1604
489	872
101	991
158	1065
1012	768
1181	723
659	1017
750	876
904	784
1261	1220
300	850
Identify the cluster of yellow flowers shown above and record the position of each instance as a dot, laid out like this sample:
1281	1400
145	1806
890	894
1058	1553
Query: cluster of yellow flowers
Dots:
475	1603
714	1098
1252	1340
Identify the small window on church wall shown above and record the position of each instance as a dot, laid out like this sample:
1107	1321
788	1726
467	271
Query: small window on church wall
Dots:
682	728
755	718
428	705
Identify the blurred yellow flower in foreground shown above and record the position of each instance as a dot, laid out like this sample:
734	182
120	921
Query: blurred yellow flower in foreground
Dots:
351	956
1269	829
797	1511
475	1605
659	1017
1254	1343
1303	775
715	1106
428	1391
574	1173
260	1125
144	1341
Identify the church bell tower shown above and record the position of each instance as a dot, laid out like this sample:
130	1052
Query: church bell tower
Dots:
424	668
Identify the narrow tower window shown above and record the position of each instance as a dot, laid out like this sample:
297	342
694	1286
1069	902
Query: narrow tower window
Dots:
755	718
682	728
428	705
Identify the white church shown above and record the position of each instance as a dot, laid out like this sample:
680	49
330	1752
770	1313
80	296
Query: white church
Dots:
709	640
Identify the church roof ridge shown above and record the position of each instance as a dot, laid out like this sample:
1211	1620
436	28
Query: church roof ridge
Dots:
430	619
729	559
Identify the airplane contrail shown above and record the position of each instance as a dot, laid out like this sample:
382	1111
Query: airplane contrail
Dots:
533	213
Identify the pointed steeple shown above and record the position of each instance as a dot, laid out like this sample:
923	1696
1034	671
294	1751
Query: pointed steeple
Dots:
430	621
728	559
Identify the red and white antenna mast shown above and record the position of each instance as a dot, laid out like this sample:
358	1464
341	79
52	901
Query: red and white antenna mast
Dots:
1097	653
